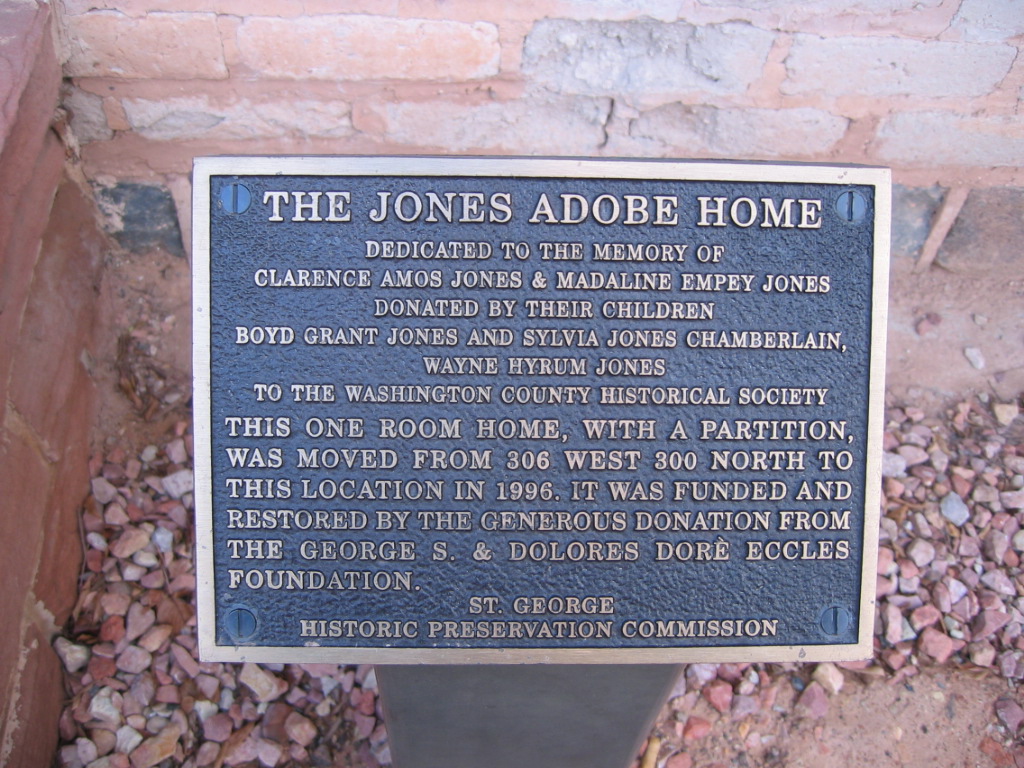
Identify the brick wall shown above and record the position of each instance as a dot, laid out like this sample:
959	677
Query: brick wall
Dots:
50	255
929	87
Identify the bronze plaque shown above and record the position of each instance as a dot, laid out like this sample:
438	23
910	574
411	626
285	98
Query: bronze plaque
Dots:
514	410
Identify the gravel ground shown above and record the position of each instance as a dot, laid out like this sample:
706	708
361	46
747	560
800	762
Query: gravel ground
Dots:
950	591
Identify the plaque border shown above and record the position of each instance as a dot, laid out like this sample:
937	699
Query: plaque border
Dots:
404	166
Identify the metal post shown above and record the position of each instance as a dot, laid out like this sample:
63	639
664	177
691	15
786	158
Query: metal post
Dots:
535	716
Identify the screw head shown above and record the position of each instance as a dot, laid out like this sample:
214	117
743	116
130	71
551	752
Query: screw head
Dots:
235	198
851	206
240	623
835	620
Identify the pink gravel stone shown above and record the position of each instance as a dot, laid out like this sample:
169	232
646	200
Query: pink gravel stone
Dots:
364	725
185	660
134	660
218	728
207	753
300	729
696	728
269	753
156	749
743	706
925	616
140	619
935	645
988	623
719	695
813	702
679	760
1010	713
130	542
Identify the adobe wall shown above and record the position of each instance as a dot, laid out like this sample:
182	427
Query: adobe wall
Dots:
931	88
52	252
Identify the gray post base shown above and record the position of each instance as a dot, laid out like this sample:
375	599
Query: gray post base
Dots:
530	716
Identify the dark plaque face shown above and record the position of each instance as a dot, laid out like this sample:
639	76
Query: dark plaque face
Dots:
461	410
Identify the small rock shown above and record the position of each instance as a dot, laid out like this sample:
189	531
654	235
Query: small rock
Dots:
886	559
163	538
140	619
893	465
957	590
701	674
1010	713
744	706
105	707
988	623
127	739
922	552
207	753
176	452
156	749
367	705
112	630
134	659
168	694
982	654
154	639
935	645
679	760
995	545
996	752
245	751
830	677
913	454
87	751
975	357
696	728
954	509
893	619
719	695
218	728
1012	499
273	721
1018	541
1010	665
115	603
73	656
999	583
264	685
925	616
179	483
1005	413
269	753
300	729
103	491
130	542
813	702
205	710
364	725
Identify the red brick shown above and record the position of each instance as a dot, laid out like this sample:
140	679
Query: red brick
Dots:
26	480
889	66
942	138
58	324
33	706
30	165
557	125
175	46
354	47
